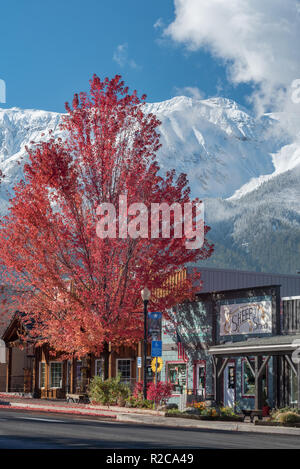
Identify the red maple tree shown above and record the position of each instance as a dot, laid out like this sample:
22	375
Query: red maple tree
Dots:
80	291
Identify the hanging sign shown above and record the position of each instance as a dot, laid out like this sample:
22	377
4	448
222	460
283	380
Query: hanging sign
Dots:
246	318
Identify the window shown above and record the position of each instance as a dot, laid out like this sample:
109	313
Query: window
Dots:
248	379
200	380
55	374
248	383
42	374
176	373
99	367
124	369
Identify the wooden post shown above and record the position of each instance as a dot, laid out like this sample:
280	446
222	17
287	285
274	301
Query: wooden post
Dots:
8	370
258	384
109	361
298	369
217	380
72	374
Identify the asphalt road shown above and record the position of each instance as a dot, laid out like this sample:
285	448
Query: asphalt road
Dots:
33	430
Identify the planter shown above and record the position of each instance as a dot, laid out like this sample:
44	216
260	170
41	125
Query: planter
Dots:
205	417
265	423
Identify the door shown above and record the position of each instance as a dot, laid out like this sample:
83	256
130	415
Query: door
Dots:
229	385
200	380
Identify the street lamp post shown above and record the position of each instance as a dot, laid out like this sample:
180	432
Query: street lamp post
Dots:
146	297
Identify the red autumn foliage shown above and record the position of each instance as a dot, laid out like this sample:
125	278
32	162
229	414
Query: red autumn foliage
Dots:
159	392
80	291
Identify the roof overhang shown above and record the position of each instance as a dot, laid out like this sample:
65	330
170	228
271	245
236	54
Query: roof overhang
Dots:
270	347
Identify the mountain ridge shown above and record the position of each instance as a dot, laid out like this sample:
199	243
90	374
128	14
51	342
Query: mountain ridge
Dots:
246	173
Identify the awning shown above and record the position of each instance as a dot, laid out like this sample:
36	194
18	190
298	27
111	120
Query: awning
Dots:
275	345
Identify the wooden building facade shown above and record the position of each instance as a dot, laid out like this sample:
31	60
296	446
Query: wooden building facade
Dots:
48	375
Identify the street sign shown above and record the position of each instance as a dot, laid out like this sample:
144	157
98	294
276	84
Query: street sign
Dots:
156	365
156	348
139	362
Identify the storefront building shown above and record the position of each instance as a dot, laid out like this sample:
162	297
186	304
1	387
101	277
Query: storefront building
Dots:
235	347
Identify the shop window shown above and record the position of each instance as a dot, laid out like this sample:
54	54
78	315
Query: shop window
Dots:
42	375
124	369
231	377
248	380
99	367
200	380
56	374
176	373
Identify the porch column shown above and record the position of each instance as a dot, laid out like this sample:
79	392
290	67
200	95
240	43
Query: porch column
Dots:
258	384
298	369
217	379
8	369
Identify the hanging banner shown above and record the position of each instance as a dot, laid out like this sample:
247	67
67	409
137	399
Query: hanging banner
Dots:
154	326
246	318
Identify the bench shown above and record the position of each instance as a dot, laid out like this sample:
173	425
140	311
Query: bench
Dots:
77	398
252	414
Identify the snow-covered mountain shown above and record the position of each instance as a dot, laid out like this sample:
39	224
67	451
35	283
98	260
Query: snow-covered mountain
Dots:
247	171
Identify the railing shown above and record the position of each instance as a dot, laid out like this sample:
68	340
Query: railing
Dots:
17	384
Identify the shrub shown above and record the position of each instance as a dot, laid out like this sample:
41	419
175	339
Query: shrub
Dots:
227	412
288	417
199	406
159	392
108	392
138	390
209	413
135	402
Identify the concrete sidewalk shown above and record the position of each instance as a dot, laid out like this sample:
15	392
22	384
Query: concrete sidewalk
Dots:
206	425
138	416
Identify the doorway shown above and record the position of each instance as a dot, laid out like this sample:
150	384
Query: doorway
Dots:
229	385
200	380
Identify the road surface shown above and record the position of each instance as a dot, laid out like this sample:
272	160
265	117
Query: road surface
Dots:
34	430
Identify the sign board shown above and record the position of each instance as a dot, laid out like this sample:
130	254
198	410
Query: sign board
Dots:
139	362
156	348
246	318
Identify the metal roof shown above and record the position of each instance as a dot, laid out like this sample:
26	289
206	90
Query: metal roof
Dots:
225	279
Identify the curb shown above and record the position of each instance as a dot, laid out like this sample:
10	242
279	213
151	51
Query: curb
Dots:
61	410
220	426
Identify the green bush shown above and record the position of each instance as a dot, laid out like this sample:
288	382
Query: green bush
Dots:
139	402
108	392
288	417
227	412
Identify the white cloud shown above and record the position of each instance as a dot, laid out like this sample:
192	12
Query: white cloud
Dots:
257	39
121	56
159	24
192	91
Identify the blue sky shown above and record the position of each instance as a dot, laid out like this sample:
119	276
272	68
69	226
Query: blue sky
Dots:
49	50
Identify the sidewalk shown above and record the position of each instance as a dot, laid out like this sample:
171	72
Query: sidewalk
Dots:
206	425
50	405
138	416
